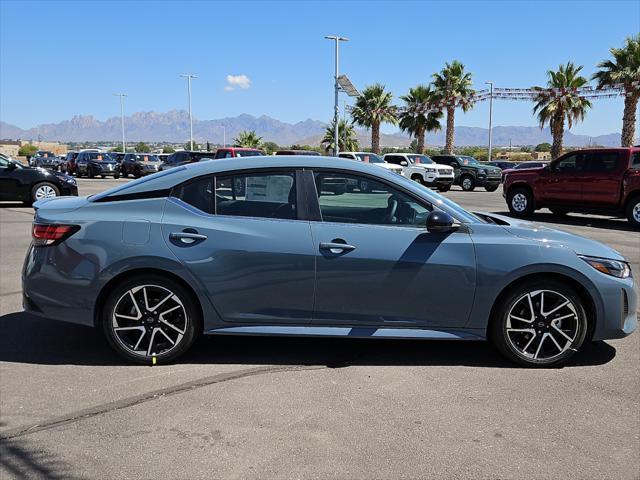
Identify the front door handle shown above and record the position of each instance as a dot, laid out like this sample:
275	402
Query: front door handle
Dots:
186	238
336	247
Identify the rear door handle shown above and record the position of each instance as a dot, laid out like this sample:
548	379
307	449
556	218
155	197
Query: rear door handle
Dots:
336	247
187	237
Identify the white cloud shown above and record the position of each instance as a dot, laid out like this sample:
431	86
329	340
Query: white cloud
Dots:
237	81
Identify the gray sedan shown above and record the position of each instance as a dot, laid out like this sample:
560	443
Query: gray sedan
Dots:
281	246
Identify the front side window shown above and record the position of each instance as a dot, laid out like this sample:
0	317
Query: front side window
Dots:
572	163
346	198
264	195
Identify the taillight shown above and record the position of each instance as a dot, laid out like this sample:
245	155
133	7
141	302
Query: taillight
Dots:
47	235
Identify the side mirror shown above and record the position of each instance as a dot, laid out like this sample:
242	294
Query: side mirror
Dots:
404	163
11	166
439	222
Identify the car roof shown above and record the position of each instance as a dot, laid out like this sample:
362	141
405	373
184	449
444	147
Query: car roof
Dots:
169	178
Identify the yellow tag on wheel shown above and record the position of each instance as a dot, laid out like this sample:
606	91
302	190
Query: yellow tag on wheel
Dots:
153	360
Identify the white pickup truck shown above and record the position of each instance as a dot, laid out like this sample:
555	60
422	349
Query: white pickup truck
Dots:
423	170
371	158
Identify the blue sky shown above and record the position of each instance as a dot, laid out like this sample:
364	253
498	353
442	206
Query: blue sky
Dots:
58	59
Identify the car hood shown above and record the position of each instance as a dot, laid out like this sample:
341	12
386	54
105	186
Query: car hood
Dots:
554	238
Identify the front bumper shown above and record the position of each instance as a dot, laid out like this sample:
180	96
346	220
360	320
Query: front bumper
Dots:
484	181
105	170
439	181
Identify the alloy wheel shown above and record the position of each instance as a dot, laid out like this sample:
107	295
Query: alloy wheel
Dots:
542	325
466	183
636	212
149	320
519	202
45	191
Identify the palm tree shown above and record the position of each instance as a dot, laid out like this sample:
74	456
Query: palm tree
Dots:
414	120
347	139
624	69
554	108
453	87
247	139
372	108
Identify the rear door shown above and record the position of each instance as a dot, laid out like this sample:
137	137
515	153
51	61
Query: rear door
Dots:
378	265
602	178
242	236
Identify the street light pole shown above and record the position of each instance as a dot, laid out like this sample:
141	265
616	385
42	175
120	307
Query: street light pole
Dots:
336	113
122	95
490	116
189	76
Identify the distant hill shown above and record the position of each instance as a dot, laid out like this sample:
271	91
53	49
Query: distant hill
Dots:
173	126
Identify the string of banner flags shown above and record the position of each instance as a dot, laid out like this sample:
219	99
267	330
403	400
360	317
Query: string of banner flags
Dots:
526	94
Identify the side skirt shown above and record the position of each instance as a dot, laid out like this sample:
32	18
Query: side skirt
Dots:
354	332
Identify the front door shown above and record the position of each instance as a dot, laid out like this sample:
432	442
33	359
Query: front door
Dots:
239	234
378	265
562	181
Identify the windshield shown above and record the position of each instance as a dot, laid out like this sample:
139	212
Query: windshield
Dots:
467	160
419	159
249	153
147	158
369	158
99	157
45	154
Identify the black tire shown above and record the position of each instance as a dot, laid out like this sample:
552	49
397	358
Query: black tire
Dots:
90	173
468	183
444	188
136	173
103	176
116	176
522	347
43	185
633	212
417	178
559	211
491	188
520	202
188	319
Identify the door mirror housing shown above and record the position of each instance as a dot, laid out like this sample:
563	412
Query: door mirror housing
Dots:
11	166
440	222
404	163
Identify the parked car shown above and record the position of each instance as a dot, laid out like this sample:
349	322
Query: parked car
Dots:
297	152
163	156
470	173
183	157
69	164
605	181
232	152
92	164
501	164
46	159
373	159
423	169
28	184
139	164
117	156
183	253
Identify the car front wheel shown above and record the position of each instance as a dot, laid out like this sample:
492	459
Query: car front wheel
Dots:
150	317
467	183
539	323
633	212
520	202
44	190
491	188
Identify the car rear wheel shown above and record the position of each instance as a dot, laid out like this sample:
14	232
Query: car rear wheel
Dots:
150	317
633	212
90	173
491	188
539	323
44	190
445	188
520	202
467	183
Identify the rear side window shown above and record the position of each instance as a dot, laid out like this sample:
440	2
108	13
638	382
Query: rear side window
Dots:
198	193
271	195
602	161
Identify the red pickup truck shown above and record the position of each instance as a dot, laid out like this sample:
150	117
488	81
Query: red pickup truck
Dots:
600	181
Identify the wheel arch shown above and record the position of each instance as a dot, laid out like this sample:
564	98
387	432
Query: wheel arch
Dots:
631	196
586	297
107	287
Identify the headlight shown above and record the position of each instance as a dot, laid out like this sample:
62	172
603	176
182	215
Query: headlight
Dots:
70	180
483	171
432	170
615	268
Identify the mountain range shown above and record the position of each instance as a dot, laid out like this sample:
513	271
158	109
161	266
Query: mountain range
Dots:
173	127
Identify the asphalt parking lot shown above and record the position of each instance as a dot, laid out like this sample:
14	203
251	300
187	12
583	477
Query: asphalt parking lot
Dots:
310	408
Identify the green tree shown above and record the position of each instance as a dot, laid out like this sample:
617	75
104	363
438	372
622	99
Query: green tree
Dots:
142	147
372	108
453	88
347	137
27	150
568	106
624	69
116	149
270	147
168	149
543	147
196	147
247	139
414	119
